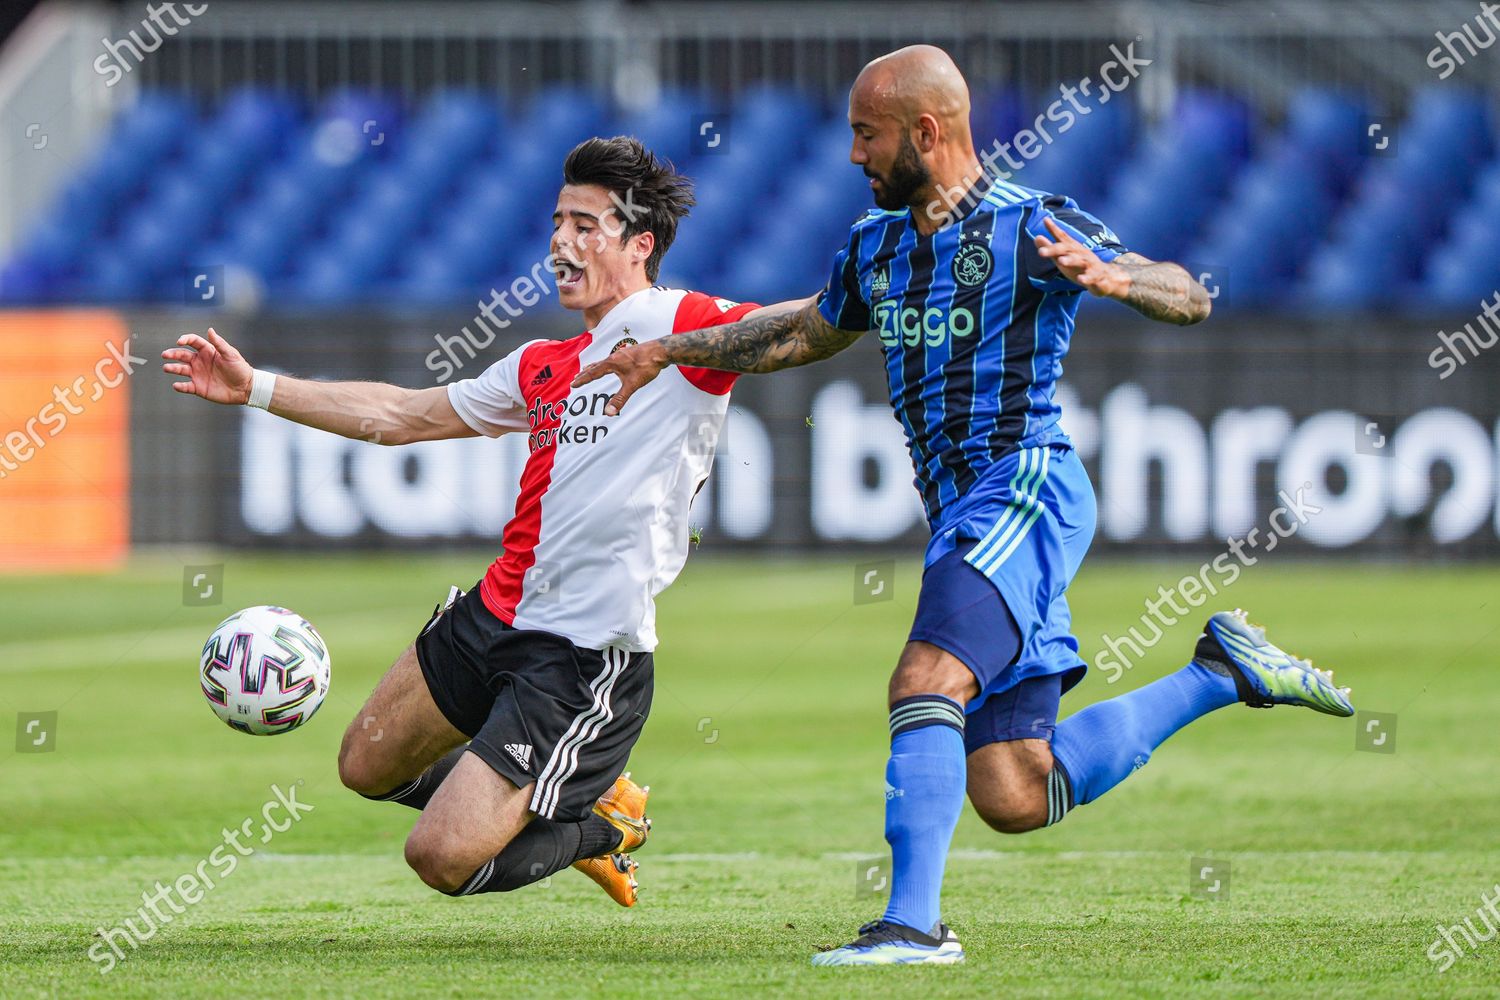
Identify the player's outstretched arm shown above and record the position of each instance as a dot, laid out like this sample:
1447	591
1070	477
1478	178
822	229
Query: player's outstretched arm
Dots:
783	335
1157	289
367	411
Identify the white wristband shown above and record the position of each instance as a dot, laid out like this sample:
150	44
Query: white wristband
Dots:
262	385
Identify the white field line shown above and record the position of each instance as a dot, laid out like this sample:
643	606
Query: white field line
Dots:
971	854
742	857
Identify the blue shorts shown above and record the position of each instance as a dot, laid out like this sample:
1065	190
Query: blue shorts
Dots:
994	587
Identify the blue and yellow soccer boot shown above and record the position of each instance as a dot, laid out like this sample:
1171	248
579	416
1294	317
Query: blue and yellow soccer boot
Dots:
1263	674
883	943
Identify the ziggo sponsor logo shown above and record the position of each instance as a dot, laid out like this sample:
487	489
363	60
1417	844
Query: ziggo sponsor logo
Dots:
548	426
912	326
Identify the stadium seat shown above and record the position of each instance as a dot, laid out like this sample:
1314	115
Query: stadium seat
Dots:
363	198
1072	163
997	114
1300	176
666	128
788	251
1166	192
1403	203
25	283
1464	269
1324	125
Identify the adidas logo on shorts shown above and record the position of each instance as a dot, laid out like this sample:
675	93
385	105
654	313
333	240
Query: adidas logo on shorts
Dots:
521	752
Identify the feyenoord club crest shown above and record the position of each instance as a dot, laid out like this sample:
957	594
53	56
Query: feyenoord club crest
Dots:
972	264
624	343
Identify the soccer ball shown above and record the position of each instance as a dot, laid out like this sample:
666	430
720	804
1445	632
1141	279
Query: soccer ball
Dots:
265	670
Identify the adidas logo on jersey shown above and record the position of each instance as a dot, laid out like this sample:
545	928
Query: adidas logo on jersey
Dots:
521	752
542	375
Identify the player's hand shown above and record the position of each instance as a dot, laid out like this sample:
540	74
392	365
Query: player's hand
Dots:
635	366
215	371
1081	265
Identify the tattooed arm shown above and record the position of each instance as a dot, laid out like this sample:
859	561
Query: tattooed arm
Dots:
1154	289
768	339
1163	290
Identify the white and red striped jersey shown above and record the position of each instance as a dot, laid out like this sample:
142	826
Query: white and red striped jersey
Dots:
601	521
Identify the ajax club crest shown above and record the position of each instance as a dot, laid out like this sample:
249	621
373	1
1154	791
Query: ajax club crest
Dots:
972	265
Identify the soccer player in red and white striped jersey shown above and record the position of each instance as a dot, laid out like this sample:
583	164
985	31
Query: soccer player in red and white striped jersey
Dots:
510	718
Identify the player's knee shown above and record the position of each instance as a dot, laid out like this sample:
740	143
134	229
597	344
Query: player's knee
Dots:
432	857
1012	812
932	674
1008	786
360	772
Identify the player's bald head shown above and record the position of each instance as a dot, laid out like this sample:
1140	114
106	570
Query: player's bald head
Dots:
909	112
910	82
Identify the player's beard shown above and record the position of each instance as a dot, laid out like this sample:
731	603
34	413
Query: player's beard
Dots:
908	175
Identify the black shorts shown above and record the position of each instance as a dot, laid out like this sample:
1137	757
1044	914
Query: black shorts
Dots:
535	707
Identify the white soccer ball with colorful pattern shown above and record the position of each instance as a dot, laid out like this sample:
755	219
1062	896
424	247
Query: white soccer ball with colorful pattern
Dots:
265	670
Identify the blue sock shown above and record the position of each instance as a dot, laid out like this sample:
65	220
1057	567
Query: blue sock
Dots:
1099	746
925	785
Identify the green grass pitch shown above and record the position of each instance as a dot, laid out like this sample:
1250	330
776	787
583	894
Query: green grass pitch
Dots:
765	751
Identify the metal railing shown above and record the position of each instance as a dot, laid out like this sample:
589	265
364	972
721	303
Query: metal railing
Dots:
1262	50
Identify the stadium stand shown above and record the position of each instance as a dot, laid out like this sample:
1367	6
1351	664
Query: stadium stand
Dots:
360	200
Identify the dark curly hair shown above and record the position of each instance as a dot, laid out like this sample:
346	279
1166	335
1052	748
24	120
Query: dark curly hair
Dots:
654	194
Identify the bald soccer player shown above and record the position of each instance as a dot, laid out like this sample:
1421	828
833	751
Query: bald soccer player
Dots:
972	284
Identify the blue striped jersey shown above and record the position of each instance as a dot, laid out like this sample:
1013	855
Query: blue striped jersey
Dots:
974	324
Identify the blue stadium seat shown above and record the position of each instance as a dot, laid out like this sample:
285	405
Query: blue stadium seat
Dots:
26	283
776	113
1258	237
555	120
788	251
1464	269
56	246
1166	192
431	276
1324	125
997	114
1403	203
110	275
158	121
456	129
1078	162
375	118
324	279
363	200
163	225
89	210
666	128
738	182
